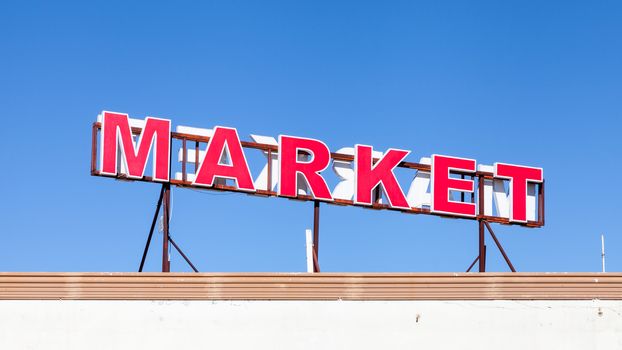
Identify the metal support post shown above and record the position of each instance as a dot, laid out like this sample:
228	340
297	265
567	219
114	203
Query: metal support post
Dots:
482	247
166	264
316	236
153	223
505	256
482	238
182	254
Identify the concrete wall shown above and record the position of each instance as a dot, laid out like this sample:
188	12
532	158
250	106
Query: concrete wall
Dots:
175	325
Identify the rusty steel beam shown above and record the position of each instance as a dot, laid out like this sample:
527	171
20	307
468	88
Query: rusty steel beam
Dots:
184	160
269	179
153	223
482	236
94	149
196	157
218	187
166	266
182	254
316	236
316	263
482	247
472	264
337	156
274	148
505	256
541	203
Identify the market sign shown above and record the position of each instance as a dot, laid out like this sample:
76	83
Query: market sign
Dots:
297	167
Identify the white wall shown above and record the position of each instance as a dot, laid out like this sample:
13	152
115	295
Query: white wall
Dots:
319	325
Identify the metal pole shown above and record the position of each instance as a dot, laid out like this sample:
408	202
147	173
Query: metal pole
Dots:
94	149
482	247
472	264
269	179
182	254
485	250
542	202
166	264
184	160
482	242
196	158
462	193
505	256
316	236
153	223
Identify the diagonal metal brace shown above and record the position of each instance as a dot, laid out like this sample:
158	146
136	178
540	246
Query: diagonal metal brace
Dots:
170	239
153	223
494	237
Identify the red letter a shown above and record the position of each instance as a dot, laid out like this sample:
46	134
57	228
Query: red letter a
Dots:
211	166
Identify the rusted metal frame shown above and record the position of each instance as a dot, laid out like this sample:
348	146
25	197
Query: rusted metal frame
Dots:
269	182
166	266
377	195
266	147
316	262
196	158
461	192
484	255
482	247
336	201
473	193
336	156
482	237
274	148
472	264
182	254
541	203
153	223
543	196
316	236
94	132
166	257
494	237
184	160
184	178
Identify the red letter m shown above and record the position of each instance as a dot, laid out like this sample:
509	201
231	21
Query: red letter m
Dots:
118	144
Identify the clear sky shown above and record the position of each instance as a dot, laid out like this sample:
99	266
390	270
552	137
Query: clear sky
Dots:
528	82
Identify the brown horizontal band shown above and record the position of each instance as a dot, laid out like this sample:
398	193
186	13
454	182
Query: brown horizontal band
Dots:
306	286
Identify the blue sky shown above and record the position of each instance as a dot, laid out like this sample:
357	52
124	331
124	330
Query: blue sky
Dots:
534	83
